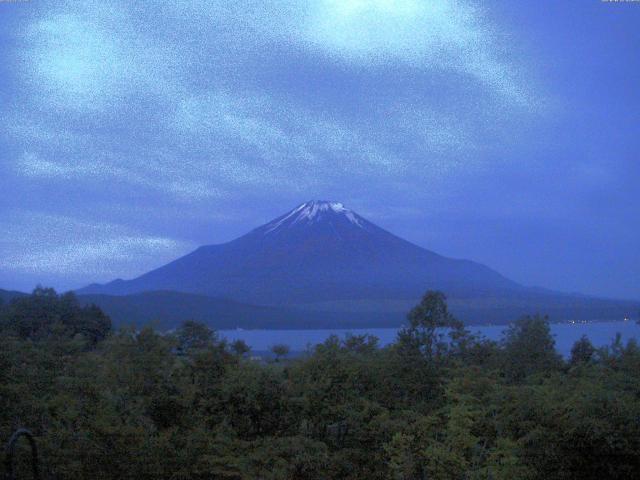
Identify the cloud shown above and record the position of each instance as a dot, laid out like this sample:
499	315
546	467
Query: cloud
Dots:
41	243
33	165
156	174
93	58
263	140
183	120
215	142
195	104
443	35
77	59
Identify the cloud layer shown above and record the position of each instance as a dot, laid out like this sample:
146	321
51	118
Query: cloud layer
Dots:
36	244
194	121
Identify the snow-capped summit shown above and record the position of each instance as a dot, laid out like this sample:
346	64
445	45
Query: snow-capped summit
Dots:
314	207
314	211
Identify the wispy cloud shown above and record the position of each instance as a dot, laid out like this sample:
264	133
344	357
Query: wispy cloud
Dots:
194	105
106	65
33	165
261	140
43	243
90	58
444	35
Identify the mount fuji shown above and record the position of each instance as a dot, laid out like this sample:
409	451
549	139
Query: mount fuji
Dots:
322	256
319	251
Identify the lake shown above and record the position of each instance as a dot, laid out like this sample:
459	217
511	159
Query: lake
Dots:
565	334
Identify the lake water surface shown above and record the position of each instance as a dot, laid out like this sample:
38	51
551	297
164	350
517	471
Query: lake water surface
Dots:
565	334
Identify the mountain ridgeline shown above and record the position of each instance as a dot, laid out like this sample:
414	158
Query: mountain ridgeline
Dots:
318	252
323	260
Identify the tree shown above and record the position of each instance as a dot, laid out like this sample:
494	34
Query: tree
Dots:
45	314
240	347
193	336
582	351
401	457
362	344
280	350
425	319
529	348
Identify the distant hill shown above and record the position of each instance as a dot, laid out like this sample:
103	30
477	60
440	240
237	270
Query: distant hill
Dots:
8	295
166	310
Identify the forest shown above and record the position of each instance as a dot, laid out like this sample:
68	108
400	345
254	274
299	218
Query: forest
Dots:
439	403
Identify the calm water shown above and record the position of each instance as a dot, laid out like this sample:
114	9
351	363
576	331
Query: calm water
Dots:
600	334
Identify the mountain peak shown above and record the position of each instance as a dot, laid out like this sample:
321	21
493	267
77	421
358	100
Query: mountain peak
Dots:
315	211
313	208
323	204
320	251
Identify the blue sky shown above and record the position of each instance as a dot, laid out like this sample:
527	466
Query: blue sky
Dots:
504	132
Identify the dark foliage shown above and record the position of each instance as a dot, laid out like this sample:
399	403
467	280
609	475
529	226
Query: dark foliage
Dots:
140	405
45	314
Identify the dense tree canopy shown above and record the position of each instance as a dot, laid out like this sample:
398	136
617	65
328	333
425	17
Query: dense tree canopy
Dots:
529	348
141	405
45	314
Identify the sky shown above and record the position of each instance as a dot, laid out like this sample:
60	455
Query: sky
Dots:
503	132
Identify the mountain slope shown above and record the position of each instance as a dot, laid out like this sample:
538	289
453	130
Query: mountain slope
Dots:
320	251
322	264
166	310
7	295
